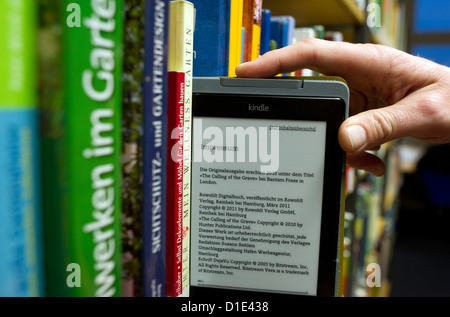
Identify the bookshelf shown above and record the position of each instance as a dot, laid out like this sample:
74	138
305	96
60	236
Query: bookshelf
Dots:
350	17
324	12
346	15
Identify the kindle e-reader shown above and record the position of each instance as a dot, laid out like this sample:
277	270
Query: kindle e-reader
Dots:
267	185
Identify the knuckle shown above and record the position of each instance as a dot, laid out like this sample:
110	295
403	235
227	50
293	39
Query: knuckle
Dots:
435	118
307	50
383	126
429	107
310	41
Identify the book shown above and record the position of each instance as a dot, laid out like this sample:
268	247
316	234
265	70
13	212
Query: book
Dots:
334	36
265	31
282	30
80	103
21	260
256	30
281	33
247	25
132	152
347	253
155	146
236	36
180	68
212	27
276	29
174	216
251	21
302	33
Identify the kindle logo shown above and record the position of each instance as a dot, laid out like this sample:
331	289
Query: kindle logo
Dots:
253	107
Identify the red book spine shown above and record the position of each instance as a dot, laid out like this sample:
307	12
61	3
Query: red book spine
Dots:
174	202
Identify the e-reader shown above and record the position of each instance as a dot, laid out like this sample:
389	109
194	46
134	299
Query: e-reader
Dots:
267	176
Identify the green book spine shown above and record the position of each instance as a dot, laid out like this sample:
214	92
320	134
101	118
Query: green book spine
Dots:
81	58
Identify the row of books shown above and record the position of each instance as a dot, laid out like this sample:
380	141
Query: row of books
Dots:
95	105
90	201
386	19
242	30
370	227
91	198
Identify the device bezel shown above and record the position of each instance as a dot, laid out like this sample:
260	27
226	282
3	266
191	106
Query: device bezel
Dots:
331	110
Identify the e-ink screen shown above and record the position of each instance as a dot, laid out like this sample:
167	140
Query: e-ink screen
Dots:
256	204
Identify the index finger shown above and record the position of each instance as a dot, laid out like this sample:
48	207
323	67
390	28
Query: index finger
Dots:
326	57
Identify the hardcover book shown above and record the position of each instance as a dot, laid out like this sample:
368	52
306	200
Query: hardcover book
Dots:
265	31
80	103
155	146
282	30
212	28
174	216
251	21
256	30
180	63
21	260
236	36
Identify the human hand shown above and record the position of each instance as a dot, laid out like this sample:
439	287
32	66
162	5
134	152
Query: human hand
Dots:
392	94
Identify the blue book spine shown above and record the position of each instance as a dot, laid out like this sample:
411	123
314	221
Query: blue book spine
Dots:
283	30
285	33
211	37
21	270
276	33
155	147
242	44
265	30
291	28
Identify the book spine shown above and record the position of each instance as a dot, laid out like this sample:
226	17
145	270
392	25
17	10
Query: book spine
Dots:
276	30
212	24
82	169
252	24
53	154
235	41
256	30
265	31
247	24
21	266
132	133
174	202
187	153
155	146
181	41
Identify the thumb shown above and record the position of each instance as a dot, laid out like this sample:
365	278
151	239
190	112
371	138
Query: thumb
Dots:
370	129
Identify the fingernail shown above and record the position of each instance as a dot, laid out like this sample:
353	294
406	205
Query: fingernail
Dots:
357	136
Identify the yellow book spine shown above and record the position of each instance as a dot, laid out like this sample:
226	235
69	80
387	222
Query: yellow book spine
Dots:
256	30
235	44
181	30
256	41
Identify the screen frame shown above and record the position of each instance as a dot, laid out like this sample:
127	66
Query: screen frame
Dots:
331	110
